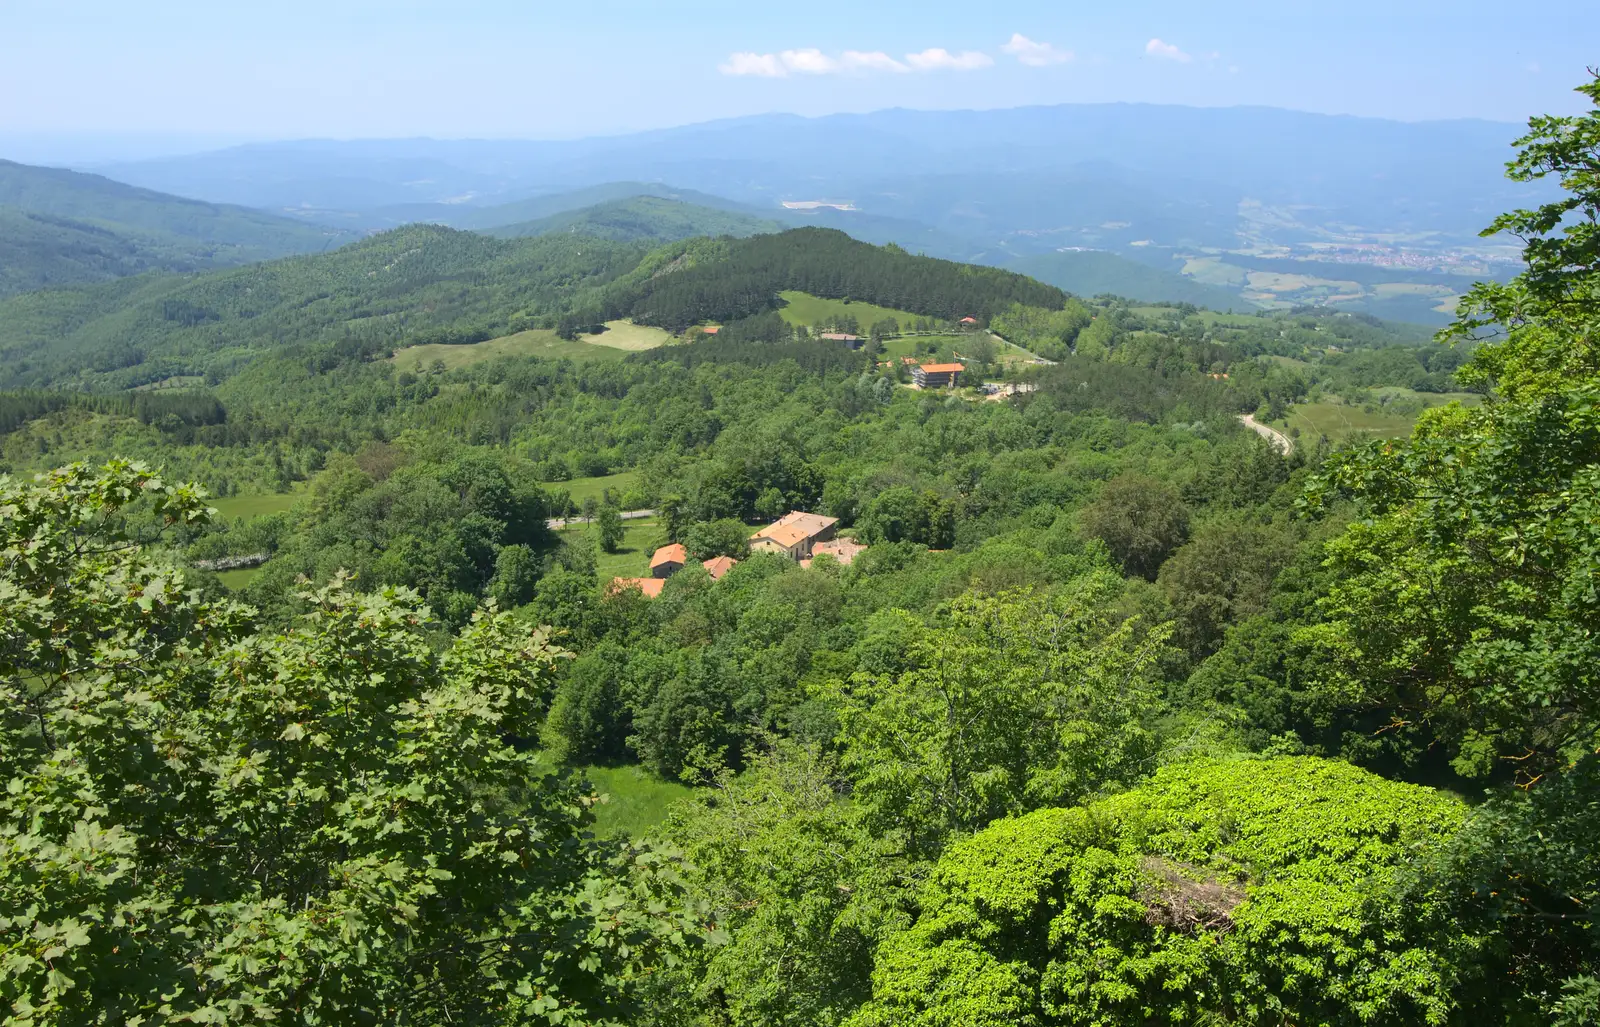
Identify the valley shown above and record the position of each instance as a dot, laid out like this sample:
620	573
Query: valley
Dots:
1074	565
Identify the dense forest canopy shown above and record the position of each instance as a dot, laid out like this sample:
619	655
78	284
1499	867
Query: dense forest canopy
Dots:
1109	710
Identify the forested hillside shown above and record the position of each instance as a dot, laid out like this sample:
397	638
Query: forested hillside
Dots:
642	218
61	227
1102	710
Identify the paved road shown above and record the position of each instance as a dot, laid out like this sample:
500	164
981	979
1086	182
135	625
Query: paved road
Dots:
1281	442
557	523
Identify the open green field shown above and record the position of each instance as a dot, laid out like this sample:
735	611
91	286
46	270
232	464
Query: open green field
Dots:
625	335
1339	420
255	506
636	802
620	337
640	538
235	580
805	309
909	346
582	488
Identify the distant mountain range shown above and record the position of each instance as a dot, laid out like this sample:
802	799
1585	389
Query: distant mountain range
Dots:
60	227
1235	206
1177	189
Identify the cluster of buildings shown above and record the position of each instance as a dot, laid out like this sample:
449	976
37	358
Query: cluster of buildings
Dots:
800	536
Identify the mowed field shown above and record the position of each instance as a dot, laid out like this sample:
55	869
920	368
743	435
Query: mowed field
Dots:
640	538
620	337
582	488
234	507
805	309
1340	421
908	346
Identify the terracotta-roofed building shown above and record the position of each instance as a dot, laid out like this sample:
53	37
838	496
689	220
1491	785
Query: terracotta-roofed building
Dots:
711	329
668	560
933	376
651	587
969	320
717	566
794	534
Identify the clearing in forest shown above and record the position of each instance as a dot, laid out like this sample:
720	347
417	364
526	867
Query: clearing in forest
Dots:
802	308
620	337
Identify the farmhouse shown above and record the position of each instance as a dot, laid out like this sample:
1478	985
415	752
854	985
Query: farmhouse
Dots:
668	560
651	587
852	341
934	376
794	534
969	322
717	566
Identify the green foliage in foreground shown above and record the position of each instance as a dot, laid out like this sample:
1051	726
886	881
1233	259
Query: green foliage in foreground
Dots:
1243	892
328	825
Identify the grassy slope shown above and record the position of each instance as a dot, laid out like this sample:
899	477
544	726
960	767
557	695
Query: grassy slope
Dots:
626	338
1338	420
805	309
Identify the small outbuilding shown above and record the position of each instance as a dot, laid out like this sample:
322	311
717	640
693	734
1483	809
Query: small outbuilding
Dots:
668	560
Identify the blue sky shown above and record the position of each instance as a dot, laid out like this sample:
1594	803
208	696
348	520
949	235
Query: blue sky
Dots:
533	69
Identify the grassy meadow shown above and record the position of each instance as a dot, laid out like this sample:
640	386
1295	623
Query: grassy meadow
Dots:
1342	421
802	308
640	538
582	488
636	802
620	338
247	507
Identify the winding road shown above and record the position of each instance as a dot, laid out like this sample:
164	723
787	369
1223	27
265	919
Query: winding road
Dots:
1281	442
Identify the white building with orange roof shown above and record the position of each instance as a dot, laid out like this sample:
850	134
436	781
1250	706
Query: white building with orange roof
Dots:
794	534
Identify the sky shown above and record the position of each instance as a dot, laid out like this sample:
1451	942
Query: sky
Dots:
175	74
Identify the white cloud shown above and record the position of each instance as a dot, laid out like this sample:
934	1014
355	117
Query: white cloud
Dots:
876	60
1035	55
939	59
1166	51
762	65
809	62
812	61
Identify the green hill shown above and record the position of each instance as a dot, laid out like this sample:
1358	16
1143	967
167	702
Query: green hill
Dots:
412	286
643	217
1092	273
60	227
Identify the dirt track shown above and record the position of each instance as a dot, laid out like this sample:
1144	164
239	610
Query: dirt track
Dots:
1281	442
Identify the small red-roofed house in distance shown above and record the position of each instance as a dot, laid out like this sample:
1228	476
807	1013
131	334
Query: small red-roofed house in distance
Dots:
651	587
717	566
668	560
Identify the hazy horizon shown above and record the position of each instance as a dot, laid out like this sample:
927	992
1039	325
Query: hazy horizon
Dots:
186	77
87	149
